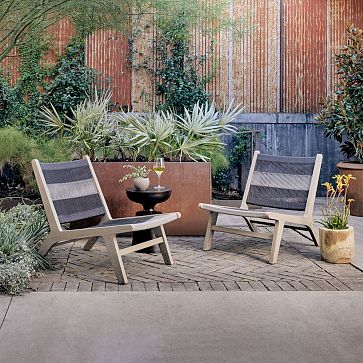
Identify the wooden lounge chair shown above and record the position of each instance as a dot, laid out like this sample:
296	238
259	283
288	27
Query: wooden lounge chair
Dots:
70	192
281	186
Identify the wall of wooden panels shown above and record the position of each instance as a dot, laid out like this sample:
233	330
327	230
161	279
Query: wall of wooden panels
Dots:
107	53
283	63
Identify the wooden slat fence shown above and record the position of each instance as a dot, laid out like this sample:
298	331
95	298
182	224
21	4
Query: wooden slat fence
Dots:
283	65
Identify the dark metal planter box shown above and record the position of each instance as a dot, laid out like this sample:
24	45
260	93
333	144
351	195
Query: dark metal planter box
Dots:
190	182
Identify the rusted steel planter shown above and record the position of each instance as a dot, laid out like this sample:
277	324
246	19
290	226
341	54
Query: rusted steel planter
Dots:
355	190
190	182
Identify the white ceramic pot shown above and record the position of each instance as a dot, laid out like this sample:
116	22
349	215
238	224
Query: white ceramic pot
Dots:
337	245
141	183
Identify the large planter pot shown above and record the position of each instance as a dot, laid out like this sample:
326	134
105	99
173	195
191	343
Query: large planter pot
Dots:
337	245
355	190
190	183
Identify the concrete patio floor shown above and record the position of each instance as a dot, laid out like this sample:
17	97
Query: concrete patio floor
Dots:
235	263
175	327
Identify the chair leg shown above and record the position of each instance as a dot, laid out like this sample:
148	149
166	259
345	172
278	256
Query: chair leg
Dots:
90	243
164	246
208	239
251	225
313	233
116	259
276	241
47	245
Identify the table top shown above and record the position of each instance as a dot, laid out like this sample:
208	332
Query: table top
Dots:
149	197
150	190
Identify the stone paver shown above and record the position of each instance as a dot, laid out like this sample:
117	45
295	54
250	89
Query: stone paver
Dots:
235	263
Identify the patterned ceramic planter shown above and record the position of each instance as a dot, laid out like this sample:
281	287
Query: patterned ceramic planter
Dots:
337	245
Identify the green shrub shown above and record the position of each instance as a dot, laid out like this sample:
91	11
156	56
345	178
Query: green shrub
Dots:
342	113
71	80
22	228
64	85
17	150
221	178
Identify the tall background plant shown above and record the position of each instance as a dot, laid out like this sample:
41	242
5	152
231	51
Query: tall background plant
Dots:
342	113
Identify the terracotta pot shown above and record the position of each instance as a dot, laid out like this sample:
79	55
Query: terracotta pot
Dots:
141	183
190	182
355	190
337	245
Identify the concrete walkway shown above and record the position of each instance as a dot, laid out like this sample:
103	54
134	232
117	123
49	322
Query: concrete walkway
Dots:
183	327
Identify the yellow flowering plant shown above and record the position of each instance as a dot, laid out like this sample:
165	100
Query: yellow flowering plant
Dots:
337	205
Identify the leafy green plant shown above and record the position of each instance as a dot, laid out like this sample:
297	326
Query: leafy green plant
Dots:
137	172
21	230
336	210
70	80
64	85
195	136
87	130
342	113
20	102
17	150
221	178
177	81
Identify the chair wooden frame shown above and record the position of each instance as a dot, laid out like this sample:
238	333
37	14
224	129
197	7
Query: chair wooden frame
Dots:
280	219
58	235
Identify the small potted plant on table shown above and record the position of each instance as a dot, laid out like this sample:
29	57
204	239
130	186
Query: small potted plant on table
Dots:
336	236
139	175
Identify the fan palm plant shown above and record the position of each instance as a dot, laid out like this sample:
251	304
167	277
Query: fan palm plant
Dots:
192	137
88	129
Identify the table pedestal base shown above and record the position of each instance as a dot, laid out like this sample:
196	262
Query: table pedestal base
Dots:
143	236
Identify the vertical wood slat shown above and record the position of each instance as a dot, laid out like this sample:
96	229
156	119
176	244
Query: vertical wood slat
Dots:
61	33
255	56
343	13
107	53
304	55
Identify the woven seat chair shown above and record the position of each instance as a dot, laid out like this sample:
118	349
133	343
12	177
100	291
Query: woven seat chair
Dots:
70	192
284	189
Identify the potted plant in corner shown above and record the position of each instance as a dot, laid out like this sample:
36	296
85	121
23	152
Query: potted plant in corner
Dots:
336	236
139	175
342	113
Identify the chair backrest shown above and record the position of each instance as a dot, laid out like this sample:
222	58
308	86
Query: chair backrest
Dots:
283	182
70	190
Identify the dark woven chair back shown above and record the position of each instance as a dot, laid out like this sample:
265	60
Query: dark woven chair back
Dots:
73	190
281	182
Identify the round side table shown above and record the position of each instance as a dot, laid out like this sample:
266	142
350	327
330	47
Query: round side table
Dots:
148	199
